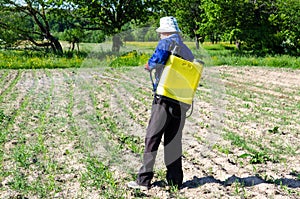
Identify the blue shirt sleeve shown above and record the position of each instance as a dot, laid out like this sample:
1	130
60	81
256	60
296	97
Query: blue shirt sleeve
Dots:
160	55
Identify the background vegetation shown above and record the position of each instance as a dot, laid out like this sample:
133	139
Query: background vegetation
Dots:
261	27
136	54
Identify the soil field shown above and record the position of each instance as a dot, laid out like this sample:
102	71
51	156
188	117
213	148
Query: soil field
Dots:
78	133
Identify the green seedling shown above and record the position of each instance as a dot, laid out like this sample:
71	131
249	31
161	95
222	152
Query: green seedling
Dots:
257	158
3	117
222	149
275	130
160	173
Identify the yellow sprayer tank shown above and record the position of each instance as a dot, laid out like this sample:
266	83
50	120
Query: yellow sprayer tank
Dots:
180	79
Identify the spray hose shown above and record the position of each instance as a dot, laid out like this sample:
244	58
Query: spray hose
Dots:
151	78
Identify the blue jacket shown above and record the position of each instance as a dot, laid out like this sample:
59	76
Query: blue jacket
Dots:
163	51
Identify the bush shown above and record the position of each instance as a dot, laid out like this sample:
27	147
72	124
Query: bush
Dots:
132	58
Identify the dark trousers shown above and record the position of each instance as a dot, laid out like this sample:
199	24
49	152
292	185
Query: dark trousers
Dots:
167	118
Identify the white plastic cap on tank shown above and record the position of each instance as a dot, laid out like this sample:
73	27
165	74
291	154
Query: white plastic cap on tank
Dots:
168	24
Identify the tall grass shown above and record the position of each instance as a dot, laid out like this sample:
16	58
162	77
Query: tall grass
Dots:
28	59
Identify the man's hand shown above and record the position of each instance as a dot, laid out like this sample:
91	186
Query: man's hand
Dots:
147	67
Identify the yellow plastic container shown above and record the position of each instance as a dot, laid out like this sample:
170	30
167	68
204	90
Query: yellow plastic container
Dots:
180	79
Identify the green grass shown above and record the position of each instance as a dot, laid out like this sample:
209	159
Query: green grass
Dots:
98	175
132	58
226	54
283	61
137	54
17	59
258	154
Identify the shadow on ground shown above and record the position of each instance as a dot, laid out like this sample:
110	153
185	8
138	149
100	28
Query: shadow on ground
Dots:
247	181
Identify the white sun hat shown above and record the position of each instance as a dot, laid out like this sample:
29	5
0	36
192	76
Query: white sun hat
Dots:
168	24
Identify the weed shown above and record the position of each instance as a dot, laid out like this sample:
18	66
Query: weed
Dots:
257	158
296	174
4	119
239	189
19	181
174	190
275	130
22	156
222	149
99	176
132	142
238	141
247	105
160	173
218	54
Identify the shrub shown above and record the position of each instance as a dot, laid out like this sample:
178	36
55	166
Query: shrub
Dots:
132	58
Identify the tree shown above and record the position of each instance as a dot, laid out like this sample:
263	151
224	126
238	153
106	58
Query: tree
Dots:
111	15
28	20
287	21
260	25
188	13
8	37
74	36
209	24
257	31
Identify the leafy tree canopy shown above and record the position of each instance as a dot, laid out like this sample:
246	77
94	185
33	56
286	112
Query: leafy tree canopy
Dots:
111	15
28	20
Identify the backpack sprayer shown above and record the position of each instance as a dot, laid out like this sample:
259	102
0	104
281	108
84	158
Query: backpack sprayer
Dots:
179	79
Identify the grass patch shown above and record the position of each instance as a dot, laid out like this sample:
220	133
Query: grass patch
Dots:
281	61
99	176
226	54
258	154
15	59
132	58
136	54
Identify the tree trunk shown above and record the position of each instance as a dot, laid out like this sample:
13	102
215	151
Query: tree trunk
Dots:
77	43
237	44
117	43
212	38
55	45
72	46
197	42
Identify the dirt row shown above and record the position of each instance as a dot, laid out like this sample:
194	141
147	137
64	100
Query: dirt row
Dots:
219	104
237	110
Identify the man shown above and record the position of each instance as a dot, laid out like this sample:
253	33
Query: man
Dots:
167	115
